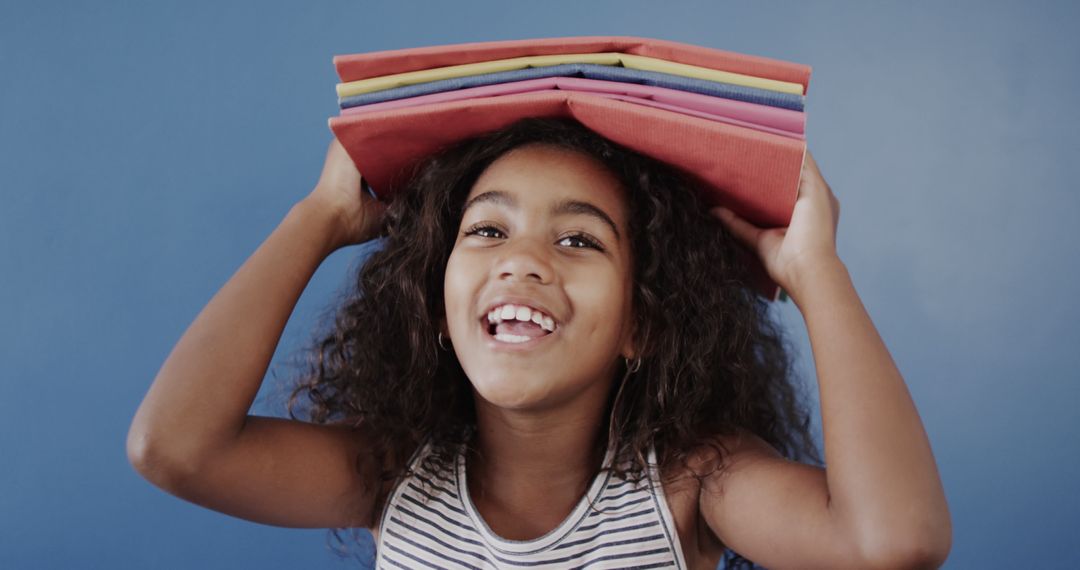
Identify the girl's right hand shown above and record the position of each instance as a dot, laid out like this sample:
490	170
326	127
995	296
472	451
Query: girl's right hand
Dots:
359	216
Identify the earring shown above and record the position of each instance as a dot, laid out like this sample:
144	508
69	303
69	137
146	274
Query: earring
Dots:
630	369
441	345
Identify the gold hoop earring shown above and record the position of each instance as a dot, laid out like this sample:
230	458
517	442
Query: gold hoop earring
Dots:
441	345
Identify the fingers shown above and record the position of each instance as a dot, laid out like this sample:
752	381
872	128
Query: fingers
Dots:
337	149
810	178
811	164
339	168
744	231
812	174
813	183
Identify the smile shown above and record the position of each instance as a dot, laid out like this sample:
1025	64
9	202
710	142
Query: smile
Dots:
517	326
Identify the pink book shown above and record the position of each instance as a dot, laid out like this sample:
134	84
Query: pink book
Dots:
754	173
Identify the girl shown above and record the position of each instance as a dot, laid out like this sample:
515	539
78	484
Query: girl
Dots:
555	361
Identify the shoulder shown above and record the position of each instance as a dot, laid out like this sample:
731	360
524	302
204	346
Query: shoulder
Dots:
755	494
720	467
686	483
735	468
722	455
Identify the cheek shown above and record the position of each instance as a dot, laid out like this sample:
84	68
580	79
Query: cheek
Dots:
602	299
458	285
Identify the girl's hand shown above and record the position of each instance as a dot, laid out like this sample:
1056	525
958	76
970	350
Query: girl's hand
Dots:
808	241
359	215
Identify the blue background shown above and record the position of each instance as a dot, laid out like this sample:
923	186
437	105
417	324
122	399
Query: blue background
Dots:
146	149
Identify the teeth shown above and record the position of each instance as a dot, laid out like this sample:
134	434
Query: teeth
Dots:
513	338
520	313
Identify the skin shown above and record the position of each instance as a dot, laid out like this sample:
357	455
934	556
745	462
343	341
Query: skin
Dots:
539	412
879	503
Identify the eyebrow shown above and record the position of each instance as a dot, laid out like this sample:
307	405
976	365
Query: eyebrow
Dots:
567	206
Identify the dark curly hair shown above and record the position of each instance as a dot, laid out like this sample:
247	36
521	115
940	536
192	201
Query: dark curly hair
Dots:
713	362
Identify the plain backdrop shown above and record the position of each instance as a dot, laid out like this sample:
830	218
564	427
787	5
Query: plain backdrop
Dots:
147	149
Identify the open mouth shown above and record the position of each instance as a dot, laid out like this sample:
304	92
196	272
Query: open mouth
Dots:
515	335
517	324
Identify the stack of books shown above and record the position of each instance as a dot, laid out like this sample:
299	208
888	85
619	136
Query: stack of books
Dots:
734	123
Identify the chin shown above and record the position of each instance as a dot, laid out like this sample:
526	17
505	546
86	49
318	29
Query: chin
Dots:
513	392
508	393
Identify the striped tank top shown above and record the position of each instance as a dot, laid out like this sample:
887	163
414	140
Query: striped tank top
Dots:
430	522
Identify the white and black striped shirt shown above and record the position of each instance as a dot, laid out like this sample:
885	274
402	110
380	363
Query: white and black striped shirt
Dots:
430	522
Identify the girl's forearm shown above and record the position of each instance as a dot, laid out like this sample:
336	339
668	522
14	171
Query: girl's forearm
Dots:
882	477
200	398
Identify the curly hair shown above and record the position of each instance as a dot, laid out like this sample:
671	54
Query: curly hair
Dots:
712	360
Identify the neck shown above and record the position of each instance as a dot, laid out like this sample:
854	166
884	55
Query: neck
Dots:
524	456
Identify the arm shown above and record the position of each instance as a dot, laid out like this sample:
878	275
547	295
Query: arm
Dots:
880	502
192	435
882	476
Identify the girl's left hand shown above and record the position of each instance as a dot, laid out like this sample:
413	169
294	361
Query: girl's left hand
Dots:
807	241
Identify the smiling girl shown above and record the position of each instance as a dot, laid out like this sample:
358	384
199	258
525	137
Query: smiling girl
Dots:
555	361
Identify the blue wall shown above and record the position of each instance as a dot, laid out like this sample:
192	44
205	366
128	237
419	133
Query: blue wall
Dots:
138	171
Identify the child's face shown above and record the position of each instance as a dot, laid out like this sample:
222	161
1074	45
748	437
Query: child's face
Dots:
530	253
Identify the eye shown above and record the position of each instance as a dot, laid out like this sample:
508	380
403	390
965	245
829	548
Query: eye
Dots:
482	228
575	241
585	239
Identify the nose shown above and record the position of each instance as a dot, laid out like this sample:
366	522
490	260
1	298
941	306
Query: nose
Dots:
524	259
